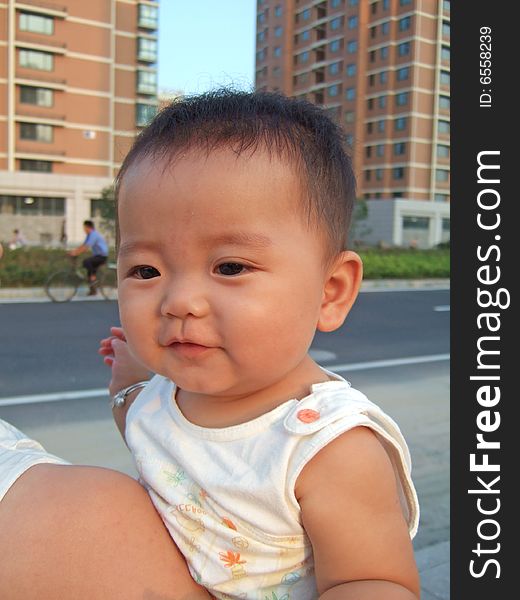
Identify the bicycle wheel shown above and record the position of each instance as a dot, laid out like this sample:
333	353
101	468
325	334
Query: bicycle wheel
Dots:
108	284
61	286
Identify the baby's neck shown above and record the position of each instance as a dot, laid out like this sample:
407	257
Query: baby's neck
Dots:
228	410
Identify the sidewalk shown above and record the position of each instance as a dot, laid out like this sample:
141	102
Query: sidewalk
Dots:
37	294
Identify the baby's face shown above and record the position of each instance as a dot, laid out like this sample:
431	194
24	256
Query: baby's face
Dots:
220	279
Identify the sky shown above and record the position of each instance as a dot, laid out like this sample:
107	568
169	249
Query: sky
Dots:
206	43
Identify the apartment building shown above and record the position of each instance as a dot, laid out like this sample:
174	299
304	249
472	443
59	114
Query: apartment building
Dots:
381	68
77	80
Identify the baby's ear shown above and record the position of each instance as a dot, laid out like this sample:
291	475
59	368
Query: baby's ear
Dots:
340	291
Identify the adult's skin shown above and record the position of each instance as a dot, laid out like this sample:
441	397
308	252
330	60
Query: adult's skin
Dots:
74	532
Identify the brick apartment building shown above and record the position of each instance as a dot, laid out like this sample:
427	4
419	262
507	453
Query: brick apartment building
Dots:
382	70
77	80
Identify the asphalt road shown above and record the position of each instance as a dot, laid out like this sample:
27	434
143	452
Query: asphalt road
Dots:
50	348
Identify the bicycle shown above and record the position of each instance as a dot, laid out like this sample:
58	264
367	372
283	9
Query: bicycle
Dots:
62	286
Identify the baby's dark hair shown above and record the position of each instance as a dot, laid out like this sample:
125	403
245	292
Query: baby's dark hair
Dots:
291	128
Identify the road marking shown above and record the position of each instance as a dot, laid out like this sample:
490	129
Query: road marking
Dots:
394	362
442	308
361	366
433	288
320	355
55	397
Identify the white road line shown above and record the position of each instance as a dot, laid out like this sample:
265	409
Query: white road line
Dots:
75	395
395	362
442	308
55	397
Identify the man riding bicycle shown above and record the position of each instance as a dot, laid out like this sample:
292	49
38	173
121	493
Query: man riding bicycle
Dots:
97	244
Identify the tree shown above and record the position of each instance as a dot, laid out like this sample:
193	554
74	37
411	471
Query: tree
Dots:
359	227
107	210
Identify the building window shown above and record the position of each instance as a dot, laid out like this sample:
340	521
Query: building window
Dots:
400	124
380	150
146	82
352	46
401	99
385	28
350	93
386	4
444	127
402	74
381	101
36	23
404	2
305	35
352	22
446	6
444	102
349	116
445	78
403	49
34	205
442	175
334	68
372	56
371	80
261	35
383	52
278	30
278	11
442	198
381	125
445	53
368	175
36	132
446	29
34	59
370	127
373	32
306	14
304	56
379	174
148	16
335	46
383	77
146	49
405	23
336	23
351	70
443	151
144	113
335	3
398	173
370	103
41	166
373	7
399	148
333	91
368	151
353	2
277	51
35	95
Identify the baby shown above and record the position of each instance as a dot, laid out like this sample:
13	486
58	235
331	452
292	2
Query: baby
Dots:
274	477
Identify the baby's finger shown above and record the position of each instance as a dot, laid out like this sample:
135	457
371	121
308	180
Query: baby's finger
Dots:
118	332
108	360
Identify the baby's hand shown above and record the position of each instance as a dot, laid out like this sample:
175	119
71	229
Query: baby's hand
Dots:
126	369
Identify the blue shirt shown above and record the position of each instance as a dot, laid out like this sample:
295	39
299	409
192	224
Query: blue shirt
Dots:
97	243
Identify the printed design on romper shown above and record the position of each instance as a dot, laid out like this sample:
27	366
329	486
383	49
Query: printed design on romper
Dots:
233	561
228	523
274	596
175	478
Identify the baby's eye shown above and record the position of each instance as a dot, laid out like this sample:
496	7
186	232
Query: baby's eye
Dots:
230	268
144	272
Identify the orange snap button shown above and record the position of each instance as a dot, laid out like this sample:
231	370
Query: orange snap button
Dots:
307	415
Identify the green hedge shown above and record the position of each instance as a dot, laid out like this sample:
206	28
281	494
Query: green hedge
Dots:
30	267
27	267
405	263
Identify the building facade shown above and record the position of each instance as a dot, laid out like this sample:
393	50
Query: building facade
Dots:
381	68
77	81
